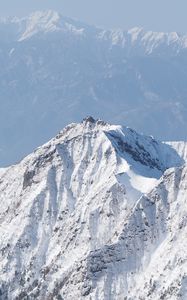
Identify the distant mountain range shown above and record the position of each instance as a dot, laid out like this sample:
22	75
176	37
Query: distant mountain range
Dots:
99	212
55	70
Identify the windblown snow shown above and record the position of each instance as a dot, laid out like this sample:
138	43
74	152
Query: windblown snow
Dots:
99	212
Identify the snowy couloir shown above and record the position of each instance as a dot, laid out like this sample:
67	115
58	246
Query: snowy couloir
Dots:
99	212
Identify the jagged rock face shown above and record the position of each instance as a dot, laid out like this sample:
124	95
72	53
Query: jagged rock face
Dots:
94	214
55	70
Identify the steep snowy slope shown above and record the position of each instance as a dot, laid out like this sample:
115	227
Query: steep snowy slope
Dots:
89	215
55	70
180	148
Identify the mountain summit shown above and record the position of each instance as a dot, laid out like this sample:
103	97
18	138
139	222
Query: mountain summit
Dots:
49	21
98	212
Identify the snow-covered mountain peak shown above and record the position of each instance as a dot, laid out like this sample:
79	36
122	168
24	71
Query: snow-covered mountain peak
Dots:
41	21
91	202
45	19
45	16
127	143
135	160
49	21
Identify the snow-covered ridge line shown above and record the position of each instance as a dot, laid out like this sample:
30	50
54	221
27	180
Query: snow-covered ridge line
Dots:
50	21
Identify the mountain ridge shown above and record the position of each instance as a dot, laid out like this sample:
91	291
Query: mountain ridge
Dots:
51	20
75	222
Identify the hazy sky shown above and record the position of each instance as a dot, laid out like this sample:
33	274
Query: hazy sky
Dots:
165	15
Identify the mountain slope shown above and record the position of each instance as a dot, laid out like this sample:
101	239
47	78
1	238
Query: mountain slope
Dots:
55	70
87	215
